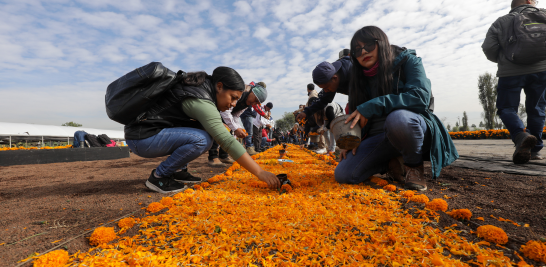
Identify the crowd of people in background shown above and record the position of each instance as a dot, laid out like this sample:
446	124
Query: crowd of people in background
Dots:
389	97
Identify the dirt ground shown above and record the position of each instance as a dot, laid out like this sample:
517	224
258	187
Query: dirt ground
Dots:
44	206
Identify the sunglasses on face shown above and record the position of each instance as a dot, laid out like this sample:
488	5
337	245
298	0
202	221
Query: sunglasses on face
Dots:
369	47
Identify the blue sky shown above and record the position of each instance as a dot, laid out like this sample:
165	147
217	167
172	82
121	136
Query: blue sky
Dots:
57	57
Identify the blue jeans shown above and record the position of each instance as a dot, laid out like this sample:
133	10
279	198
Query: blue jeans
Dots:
247	123
508	96
406	134
182	144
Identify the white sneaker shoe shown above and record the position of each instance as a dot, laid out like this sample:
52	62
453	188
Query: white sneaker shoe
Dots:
320	151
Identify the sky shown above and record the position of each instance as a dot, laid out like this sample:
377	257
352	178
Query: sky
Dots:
57	57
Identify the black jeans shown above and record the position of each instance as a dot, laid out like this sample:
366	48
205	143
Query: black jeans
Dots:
213	152
256	137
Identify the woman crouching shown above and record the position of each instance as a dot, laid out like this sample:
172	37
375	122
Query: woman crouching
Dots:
390	97
187	129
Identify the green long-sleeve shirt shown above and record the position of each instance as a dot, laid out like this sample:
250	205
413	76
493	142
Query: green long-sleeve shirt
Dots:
207	114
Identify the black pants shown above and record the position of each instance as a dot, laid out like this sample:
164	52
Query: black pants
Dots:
213	152
256	137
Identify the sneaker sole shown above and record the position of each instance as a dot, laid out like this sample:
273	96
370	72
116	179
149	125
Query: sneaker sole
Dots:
524	154
188	182
157	189
412	188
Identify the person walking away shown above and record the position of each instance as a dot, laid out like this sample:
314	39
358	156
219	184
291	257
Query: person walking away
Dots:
524	68
390	97
344	53
250	113
185	130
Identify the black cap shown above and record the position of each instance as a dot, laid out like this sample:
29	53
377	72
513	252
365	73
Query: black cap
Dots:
269	105
324	72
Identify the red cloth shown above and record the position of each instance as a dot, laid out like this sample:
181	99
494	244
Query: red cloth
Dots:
113	144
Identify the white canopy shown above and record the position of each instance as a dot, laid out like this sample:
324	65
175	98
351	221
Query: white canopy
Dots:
36	130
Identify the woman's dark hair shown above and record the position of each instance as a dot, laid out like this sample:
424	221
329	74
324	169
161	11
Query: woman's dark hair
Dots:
357	92
226	75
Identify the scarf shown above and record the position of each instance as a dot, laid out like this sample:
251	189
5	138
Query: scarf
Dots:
372	71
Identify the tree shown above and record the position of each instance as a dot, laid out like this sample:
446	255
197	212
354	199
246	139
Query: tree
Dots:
465	122
72	124
487	93
286	122
522	114
448	127
473	125
481	124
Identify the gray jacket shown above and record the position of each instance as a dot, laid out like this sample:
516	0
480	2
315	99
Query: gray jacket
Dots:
492	47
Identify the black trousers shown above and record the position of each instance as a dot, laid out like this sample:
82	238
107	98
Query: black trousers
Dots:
213	152
256	137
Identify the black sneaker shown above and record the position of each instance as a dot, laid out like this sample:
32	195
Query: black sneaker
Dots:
164	185
185	177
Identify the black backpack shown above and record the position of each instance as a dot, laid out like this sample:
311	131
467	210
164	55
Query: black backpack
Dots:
526	38
131	96
104	139
93	140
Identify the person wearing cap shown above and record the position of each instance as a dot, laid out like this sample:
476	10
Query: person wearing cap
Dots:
332	78
258	123
232	119
249	113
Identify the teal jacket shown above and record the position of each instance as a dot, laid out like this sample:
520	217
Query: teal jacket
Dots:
415	96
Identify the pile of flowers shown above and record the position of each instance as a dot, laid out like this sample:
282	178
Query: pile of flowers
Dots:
236	220
485	134
33	148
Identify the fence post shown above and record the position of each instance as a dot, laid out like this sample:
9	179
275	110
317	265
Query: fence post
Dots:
10	141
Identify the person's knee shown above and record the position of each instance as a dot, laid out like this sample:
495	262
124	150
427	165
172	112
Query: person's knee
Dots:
342	174
398	119
205	142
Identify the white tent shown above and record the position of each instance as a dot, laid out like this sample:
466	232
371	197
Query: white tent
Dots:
23	131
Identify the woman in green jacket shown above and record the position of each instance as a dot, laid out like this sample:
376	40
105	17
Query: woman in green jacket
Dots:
186	130
390	97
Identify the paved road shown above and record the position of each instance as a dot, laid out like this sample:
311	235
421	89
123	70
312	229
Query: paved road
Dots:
494	155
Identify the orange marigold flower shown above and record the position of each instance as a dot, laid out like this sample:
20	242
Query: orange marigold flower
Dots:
167	201
390	187
408	194
437	204
286	187
420	199
535	250
126	223
460	214
102	235
189	191
155	207
197	187
492	234
205	185
480	218
437	260
52	259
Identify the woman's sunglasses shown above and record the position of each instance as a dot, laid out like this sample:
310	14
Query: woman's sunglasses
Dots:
369	47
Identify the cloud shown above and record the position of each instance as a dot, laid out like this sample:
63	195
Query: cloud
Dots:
66	45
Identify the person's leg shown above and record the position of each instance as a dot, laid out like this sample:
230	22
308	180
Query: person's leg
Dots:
182	144
213	151
372	157
508	96
535	104
256	137
263	143
247	123
331	141
409	134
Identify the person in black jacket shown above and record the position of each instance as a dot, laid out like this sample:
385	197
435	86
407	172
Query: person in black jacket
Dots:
186	130
332	78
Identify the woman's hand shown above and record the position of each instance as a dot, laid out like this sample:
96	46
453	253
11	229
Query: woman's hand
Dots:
356	117
343	154
270	178
301	116
240	133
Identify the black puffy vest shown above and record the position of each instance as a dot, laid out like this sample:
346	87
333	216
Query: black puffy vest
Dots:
172	116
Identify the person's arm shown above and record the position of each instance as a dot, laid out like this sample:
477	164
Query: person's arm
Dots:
228	119
491	44
207	114
259	110
330	116
323	100
415	96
